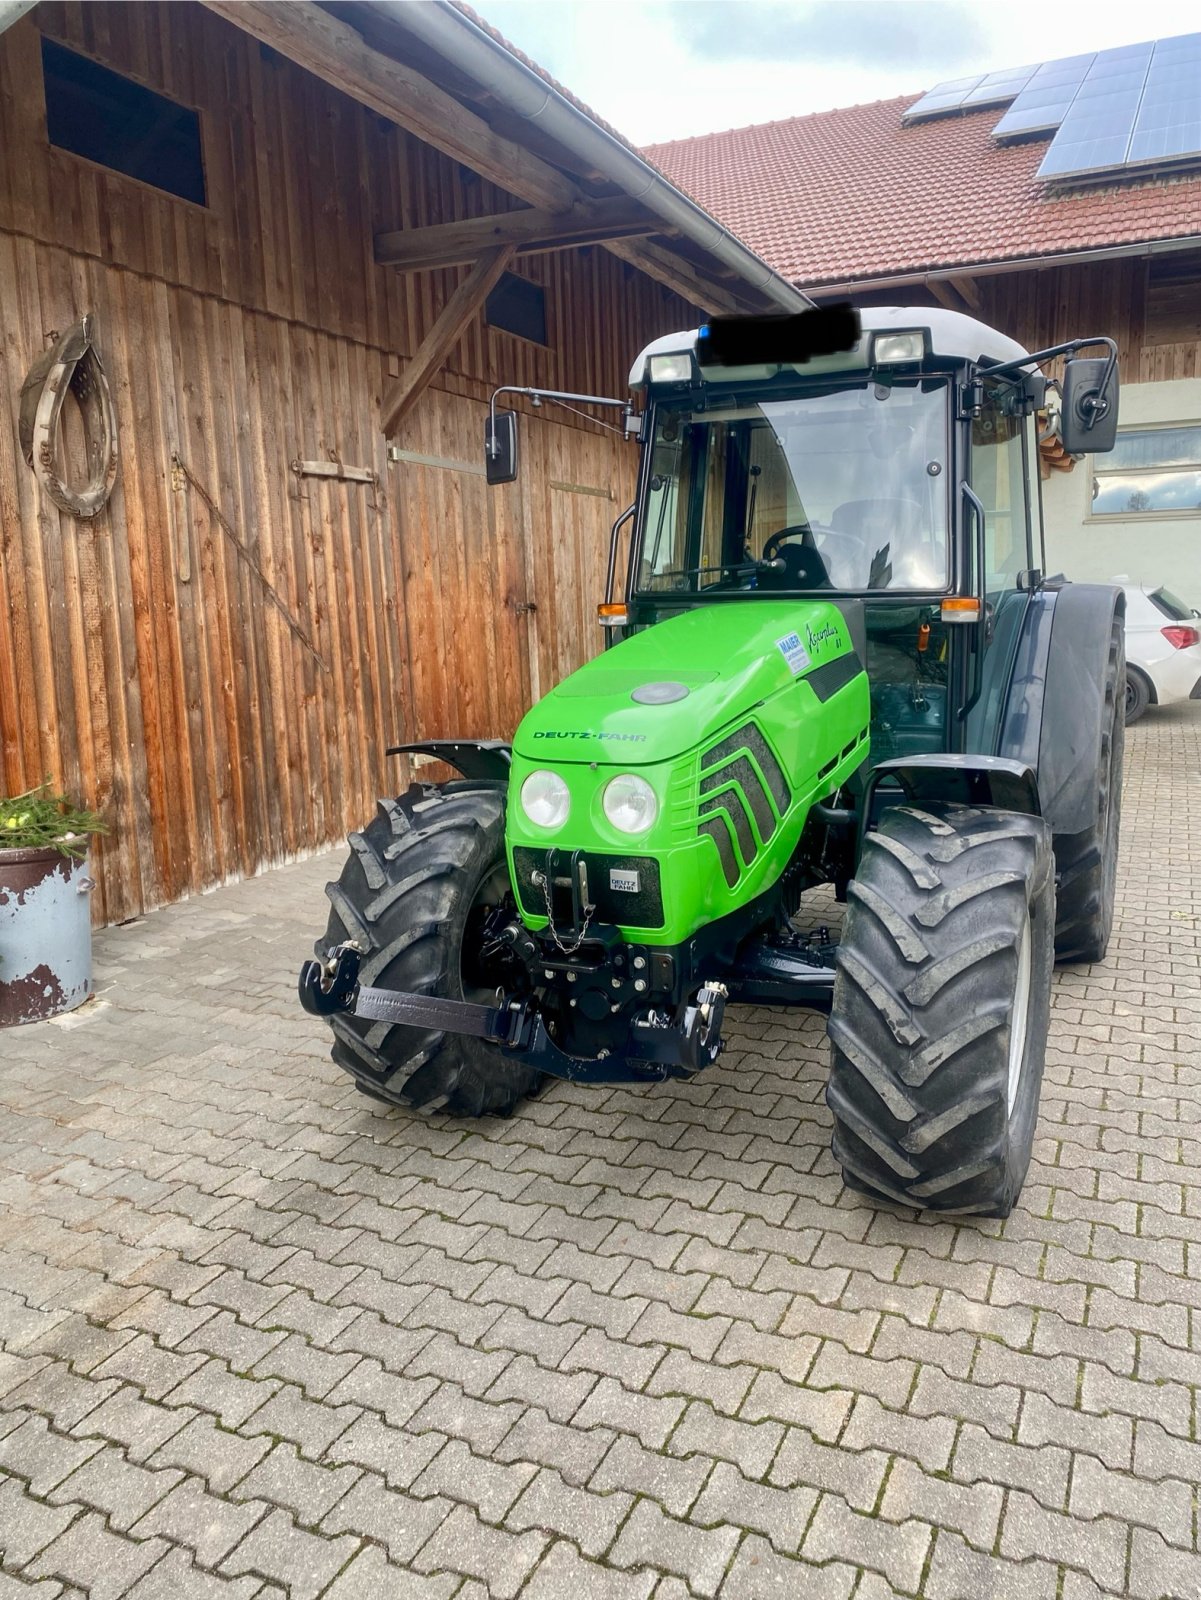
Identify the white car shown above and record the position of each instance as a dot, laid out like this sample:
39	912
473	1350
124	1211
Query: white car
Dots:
1163	649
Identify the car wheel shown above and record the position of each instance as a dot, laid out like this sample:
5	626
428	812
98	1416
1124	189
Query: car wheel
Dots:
1138	694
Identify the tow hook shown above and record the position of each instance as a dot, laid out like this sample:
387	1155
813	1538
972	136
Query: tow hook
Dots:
329	986
710	1012
699	1031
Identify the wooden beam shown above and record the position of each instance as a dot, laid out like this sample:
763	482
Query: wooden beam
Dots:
334	52
450	244
458	311
967	288
678	274
947	295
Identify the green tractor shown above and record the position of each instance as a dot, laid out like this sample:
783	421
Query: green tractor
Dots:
839	662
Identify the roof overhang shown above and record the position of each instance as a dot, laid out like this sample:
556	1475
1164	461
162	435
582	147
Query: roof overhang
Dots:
712	267
982	269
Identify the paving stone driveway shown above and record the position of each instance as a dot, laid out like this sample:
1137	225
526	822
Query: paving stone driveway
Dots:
260	1338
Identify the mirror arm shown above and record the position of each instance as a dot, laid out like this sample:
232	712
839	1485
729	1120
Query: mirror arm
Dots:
538	395
1098	405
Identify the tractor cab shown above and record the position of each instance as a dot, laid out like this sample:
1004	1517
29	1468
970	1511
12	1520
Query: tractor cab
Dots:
899	478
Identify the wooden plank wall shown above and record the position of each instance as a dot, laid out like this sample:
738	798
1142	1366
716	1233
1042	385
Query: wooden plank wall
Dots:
1046	306
143	663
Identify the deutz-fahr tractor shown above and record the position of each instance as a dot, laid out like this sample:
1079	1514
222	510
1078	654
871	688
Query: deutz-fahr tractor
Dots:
839	662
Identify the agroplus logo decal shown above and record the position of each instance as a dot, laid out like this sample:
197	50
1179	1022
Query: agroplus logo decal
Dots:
816	636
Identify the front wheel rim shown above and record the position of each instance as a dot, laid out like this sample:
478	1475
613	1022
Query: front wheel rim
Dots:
1019	1015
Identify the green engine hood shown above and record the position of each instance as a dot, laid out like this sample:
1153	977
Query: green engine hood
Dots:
728	658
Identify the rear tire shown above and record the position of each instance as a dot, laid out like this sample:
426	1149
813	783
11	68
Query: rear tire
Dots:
414	878
1138	695
941	1008
1086	863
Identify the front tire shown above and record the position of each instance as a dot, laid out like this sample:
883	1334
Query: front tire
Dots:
941	1008
415	888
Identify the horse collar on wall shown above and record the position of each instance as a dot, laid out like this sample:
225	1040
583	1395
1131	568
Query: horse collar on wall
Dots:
70	364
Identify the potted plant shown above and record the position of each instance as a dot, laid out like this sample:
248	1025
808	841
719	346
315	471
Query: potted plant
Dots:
45	915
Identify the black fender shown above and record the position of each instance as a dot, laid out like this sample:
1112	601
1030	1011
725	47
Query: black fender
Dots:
969	780
487	759
1056	700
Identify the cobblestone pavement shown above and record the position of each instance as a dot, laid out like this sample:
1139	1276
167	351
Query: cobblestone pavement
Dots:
262	1338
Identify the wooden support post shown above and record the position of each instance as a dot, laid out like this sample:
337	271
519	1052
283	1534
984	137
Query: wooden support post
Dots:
970	292
458	311
947	295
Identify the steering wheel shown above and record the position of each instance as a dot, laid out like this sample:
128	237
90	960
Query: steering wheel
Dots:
803	567
795	530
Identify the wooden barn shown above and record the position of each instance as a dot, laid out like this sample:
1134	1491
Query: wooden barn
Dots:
261	267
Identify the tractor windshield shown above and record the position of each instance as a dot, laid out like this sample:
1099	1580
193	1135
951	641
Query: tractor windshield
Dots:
839	488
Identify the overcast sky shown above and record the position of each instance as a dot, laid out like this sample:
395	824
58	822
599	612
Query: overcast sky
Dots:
665	69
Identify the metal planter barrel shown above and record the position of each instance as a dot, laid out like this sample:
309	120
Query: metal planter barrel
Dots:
45	934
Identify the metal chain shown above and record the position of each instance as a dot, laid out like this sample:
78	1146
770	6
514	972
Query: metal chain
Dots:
567	950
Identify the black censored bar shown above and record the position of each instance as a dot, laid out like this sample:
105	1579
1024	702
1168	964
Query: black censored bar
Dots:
752	341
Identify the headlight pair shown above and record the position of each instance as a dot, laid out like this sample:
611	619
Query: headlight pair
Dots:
628	801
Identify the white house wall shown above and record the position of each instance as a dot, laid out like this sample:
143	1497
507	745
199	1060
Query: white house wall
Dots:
1151	549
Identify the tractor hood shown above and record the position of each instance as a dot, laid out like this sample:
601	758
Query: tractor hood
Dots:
663	690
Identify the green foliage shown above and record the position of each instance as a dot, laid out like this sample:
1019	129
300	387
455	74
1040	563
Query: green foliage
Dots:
40	818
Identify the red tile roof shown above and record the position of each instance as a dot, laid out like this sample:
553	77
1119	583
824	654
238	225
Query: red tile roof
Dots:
852	195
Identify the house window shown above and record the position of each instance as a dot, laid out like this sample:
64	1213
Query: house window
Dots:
104	117
518	306
1150	472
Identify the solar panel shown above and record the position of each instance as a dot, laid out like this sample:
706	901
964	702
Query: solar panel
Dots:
1042	104
1136	105
995	88
1168	123
942	98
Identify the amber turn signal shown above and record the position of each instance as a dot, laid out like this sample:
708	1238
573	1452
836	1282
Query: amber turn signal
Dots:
613	614
961	608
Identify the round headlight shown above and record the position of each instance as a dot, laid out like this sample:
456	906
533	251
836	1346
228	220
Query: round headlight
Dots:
545	799
630	803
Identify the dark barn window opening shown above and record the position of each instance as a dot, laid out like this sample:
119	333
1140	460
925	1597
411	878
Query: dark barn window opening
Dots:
518	306
107	118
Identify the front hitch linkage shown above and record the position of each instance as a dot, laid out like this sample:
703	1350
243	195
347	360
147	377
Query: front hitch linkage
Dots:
657	1045
330	986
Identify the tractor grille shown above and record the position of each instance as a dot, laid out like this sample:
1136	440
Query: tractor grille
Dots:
741	780
611	885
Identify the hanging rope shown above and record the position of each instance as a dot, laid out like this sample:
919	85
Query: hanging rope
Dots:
70	366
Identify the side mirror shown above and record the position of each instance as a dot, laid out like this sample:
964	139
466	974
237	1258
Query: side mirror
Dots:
500	447
1089	423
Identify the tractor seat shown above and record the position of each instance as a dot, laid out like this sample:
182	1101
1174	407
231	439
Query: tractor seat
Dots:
878	520
898	529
